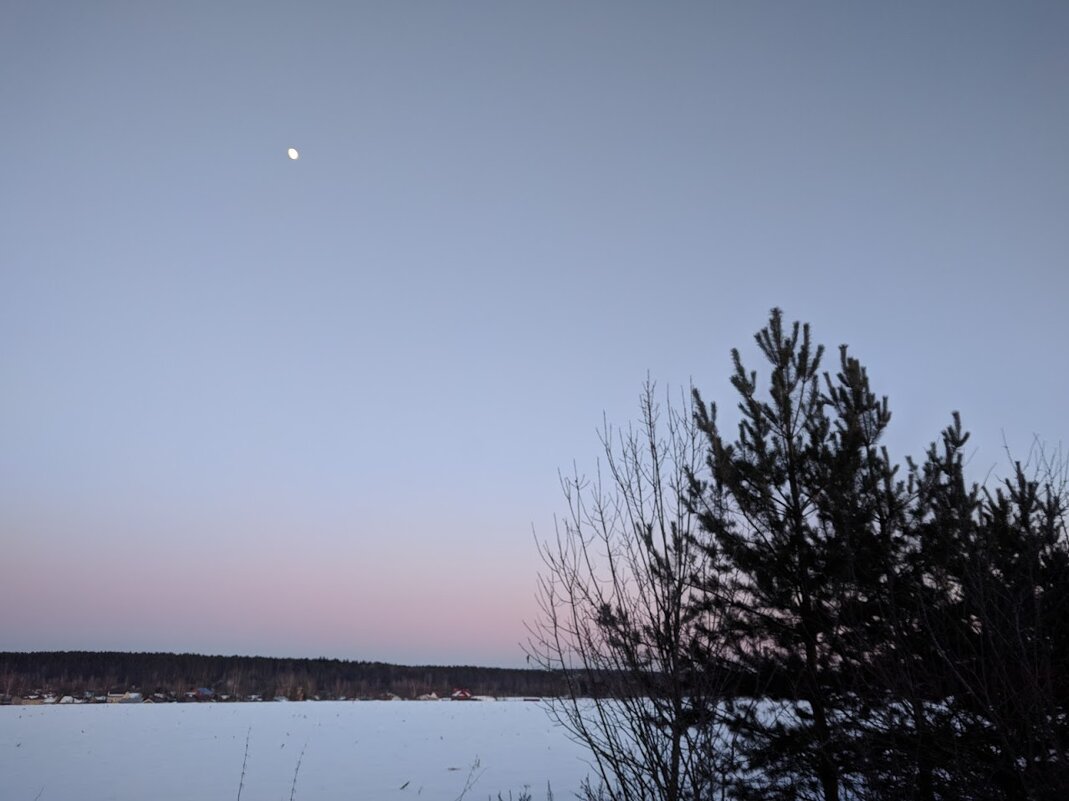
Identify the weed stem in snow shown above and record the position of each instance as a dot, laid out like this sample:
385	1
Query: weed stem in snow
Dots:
244	762
293	789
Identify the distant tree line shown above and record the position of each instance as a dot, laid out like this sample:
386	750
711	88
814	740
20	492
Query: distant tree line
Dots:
71	672
787	613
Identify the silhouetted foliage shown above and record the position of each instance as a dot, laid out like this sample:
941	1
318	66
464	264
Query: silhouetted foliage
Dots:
883	633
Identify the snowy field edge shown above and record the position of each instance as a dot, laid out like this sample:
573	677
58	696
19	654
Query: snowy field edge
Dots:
347	750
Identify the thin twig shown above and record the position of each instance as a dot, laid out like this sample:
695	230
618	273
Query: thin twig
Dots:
244	763
293	789
472	778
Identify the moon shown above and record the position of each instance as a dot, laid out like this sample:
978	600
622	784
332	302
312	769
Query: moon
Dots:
293	154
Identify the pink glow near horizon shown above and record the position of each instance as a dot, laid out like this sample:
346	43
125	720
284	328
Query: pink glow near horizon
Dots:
371	599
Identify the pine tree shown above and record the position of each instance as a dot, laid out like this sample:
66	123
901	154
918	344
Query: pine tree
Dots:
804	514
992	597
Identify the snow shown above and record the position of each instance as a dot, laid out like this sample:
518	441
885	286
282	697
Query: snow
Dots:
365	749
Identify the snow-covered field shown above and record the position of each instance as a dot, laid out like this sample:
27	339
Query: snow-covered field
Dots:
357	751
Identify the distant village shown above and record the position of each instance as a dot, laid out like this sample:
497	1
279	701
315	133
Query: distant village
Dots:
207	695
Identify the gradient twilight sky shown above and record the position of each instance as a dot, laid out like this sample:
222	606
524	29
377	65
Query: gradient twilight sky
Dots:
315	407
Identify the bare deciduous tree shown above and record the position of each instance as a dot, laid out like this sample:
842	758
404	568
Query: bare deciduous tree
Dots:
624	618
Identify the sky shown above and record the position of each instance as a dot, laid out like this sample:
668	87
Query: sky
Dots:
318	407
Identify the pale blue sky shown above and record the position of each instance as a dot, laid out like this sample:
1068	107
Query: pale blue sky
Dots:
321	403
